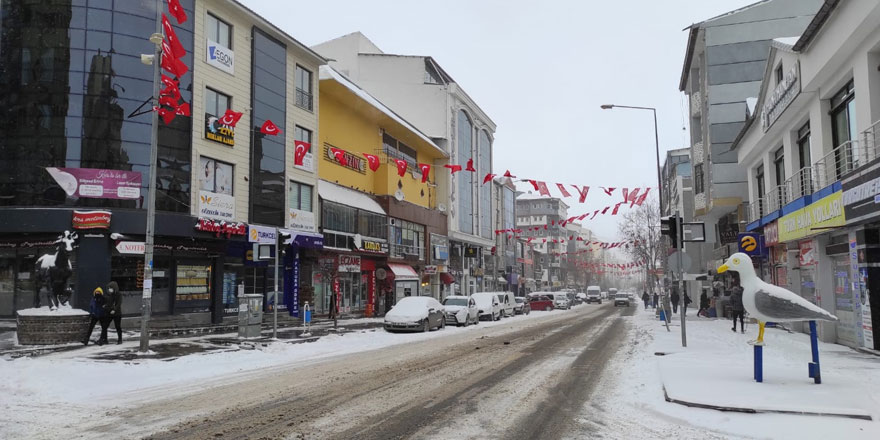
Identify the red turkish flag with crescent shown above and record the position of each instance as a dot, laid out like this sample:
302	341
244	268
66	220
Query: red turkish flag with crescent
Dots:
372	161
425	169
542	188
300	149
168	101
183	110
270	128
507	174
583	192
176	47
173	65
453	168
177	11
167	81
167	115
171	91
470	166
562	190
401	167
488	178
339	155
231	117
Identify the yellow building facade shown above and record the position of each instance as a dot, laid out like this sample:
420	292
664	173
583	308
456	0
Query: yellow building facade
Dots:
353	121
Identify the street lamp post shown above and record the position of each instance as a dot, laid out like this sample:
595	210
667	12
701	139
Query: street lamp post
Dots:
147	294
660	203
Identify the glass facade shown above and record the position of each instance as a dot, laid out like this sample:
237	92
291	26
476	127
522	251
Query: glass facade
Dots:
73	83
269	85
465	179
485	153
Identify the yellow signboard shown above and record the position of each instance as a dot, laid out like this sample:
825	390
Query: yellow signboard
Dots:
816	218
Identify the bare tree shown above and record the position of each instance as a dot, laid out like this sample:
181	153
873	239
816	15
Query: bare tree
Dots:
642	226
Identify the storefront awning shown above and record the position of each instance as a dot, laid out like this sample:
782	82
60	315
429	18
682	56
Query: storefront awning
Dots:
403	272
302	239
446	278
345	196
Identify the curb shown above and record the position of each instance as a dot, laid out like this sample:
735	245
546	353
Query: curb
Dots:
761	411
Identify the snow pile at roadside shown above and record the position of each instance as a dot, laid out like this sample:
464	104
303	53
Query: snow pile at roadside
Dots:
716	368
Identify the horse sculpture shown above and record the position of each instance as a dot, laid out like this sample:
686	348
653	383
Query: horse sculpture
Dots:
53	271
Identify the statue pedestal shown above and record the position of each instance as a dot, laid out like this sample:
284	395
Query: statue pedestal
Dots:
44	327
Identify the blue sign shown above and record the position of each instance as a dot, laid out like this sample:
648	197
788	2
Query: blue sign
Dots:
750	243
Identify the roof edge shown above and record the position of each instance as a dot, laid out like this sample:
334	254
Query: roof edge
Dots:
816	25
297	43
688	56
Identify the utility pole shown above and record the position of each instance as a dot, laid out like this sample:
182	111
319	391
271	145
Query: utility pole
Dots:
678	238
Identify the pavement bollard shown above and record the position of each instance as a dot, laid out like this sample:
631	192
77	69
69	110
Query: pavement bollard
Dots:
759	364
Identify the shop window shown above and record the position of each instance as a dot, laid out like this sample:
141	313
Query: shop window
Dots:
215	176
128	272
398	150
372	225
7	282
337	217
407	240
193	289
233	276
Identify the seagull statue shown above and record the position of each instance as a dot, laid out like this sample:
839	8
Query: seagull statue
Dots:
769	303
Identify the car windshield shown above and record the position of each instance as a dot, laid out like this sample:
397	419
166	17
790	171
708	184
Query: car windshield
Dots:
518	299
455	302
500	297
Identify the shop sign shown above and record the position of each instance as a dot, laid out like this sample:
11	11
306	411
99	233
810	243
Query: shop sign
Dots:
807	253
301	220
441	252
349	263
771	234
470	252
97	183
352	162
220	228
131	247
782	96
216	206
477	271
430	270
861	195
91	219
373	247
749	243
818	217
218	132
261	234
220	56
867	321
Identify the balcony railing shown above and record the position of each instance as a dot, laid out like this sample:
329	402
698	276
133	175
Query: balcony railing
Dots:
800	185
303	99
404	251
756	210
776	198
835	164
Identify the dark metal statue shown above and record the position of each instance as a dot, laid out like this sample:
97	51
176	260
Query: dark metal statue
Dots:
53	271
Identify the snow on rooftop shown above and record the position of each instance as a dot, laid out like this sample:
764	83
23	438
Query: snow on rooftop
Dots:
751	102
327	72
530	196
788	41
340	194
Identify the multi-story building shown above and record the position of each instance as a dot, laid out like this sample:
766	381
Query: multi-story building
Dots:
76	138
546	214
723	66
374	220
418	89
502	267
811	155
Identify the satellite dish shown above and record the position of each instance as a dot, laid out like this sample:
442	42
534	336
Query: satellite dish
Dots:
380	274
441	207
398	195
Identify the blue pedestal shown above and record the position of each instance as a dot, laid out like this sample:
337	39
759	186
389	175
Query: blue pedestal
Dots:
662	315
759	363
813	367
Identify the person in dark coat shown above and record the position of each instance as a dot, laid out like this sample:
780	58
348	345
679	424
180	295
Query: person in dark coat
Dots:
674	299
114	310
96	314
704	305
645	299
332	306
656	301
687	302
736	305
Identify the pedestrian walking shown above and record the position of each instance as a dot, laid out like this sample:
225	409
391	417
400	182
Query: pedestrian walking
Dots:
687	301
96	314
656	301
114	310
645	299
704	305
332	305
674	298
736	304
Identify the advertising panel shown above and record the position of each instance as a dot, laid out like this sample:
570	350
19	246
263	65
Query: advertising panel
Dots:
220	56
816	218
97	183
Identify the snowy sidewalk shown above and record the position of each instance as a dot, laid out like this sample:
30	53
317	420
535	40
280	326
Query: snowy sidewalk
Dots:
681	391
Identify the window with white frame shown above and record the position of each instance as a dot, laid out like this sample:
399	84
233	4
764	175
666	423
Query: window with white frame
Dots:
218	31
216	103
407	239
303	88
215	176
299	196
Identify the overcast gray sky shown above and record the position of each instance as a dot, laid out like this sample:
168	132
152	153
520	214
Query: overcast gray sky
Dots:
540	70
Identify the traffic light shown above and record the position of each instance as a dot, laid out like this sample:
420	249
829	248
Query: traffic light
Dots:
671	227
282	245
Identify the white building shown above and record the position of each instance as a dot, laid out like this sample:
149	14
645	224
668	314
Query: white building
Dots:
424	94
810	153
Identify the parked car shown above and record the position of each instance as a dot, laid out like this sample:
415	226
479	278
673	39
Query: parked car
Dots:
461	310
522	306
540	302
594	294
560	301
622	299
508	303
580	298
488	305
415	313
604	294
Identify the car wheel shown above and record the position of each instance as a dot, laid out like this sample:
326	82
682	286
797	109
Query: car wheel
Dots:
426	327
547	309
499	316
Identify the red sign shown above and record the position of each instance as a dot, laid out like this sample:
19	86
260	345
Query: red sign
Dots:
771	234
220	227
91	219
807	253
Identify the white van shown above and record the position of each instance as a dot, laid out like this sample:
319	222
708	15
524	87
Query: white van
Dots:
508	303
488	305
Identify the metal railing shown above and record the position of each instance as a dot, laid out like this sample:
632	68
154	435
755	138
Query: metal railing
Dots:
870	139
834	165
799	185
776	198
303	99
405	251
756	210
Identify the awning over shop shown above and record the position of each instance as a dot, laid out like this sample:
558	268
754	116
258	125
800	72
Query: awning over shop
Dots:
446	278
403	272
345	196
309	240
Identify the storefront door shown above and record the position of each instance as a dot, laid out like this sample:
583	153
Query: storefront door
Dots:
843	302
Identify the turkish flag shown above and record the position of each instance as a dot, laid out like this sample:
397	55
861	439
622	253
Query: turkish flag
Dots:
542	189
167	115
470	166
167	100
616	208
230	118
173	65
270	128
507	174
562	190
183	110
583	192
177	11
401	167
453	168
534	183
640	200
488	178
339	155
176	47
425	169
169	82
608	191
605	210
171	91
372	161
300	149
